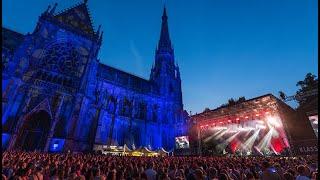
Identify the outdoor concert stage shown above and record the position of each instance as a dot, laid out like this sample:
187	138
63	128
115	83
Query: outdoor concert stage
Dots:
260	126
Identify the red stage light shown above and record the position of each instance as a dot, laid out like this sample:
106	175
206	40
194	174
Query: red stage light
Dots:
234	145
277	144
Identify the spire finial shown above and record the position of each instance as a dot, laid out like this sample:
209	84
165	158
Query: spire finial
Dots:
101	35
164	15
98	31
48	9
54	8
164	42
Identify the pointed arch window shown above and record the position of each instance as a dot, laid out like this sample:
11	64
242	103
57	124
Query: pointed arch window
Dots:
111	104
126	109
142	111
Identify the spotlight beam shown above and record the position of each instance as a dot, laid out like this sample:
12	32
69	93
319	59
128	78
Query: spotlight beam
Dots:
250	141
215	134
266	140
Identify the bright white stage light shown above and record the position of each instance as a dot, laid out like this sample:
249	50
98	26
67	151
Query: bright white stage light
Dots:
259	126
247	145
215	134
223	132
260	121
266	140
241	129
220	132
247	128
275	134
220	128
273	121
232	137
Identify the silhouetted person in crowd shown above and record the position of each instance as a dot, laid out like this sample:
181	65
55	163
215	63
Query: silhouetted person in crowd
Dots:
149	172
269	172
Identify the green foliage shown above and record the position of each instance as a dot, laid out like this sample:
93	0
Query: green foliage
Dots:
282	95
309	83
302	96
206	110
232	101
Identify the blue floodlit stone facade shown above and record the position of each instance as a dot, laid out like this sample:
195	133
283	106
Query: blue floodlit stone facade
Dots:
57	96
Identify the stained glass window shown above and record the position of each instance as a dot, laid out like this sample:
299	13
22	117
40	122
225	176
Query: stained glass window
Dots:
64	58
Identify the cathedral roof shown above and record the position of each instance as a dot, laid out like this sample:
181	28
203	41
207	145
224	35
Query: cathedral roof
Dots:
124	79
11	39
77	17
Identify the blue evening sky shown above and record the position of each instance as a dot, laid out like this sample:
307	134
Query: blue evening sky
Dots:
225	48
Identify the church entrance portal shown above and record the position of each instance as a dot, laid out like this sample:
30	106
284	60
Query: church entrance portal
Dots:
34	132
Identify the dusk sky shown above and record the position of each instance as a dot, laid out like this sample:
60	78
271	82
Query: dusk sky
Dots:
224	48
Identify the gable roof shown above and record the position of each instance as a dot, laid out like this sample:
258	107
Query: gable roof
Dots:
11	39
77	17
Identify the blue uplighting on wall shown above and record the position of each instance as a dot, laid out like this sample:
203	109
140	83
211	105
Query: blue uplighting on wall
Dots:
5	140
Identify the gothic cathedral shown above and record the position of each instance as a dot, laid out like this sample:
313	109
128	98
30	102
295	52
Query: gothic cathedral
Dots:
57	96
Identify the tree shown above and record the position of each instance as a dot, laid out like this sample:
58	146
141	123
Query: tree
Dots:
282	95
232	101
309	83
206	109
241	99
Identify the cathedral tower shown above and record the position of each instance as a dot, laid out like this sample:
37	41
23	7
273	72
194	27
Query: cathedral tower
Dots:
165	74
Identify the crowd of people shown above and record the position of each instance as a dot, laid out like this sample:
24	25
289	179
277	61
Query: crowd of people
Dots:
39	165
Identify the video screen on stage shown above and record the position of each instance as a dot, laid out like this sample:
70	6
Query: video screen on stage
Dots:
182	142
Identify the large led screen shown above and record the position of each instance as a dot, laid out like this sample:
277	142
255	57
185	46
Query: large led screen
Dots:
182	142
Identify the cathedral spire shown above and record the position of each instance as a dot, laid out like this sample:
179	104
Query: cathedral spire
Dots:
54	8
47	11
164	42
